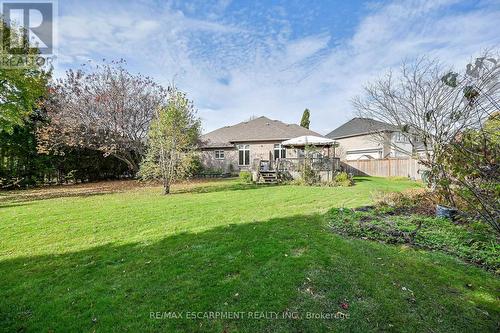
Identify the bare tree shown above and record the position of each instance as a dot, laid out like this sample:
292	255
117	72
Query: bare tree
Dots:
433	107
426	101
107	109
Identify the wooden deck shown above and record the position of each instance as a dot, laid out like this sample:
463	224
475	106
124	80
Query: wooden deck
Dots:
270	172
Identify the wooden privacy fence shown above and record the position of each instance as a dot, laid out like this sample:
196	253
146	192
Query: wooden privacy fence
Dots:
389	167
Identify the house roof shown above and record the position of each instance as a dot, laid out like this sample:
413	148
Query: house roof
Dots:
258	129
360	126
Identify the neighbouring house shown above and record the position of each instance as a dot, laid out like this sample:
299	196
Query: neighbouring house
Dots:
257	145
365	139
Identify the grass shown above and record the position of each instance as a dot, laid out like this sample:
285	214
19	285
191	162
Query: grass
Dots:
106	261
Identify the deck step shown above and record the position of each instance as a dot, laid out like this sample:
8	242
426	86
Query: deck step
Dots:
268	177
268	182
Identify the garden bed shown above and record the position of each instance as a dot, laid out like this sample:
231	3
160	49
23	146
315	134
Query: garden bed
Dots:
472	242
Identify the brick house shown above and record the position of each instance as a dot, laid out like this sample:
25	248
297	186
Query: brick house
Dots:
234	148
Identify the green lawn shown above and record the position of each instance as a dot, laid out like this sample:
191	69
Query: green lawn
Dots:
105	262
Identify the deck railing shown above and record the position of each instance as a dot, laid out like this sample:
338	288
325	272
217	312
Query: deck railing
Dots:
317	164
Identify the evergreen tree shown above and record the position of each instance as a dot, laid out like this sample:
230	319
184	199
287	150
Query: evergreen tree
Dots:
305	122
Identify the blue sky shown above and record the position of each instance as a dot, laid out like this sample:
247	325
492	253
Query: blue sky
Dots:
238	59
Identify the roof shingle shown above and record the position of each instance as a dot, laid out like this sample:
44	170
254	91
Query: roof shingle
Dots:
259	129
360	126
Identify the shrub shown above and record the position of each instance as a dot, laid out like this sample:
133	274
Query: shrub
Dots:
309	175
472	174
296	182
414	201
195	166
245	177
311	178
343	179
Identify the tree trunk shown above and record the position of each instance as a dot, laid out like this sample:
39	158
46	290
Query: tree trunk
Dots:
166	188
129	160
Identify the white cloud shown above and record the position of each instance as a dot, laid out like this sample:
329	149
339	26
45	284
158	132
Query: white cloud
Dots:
234	71
300	49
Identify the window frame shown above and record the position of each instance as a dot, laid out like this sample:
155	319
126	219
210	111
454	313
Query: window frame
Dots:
278	147
219	154
244	149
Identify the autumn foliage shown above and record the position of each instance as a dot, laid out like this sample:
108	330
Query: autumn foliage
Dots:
106	109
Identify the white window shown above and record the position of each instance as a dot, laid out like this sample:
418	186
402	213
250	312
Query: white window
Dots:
400	137
244	154
279	151
219	154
